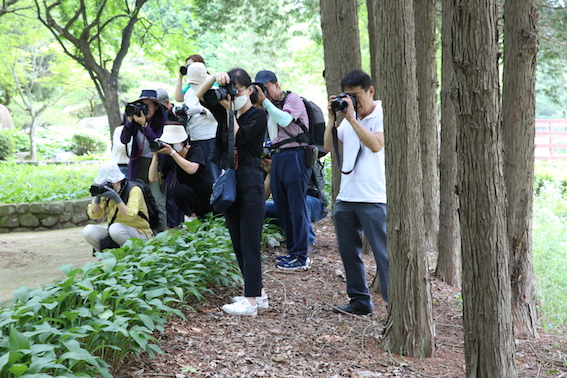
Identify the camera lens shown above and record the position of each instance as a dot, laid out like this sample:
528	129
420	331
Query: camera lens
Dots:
183	70
338	105
156	145
214	95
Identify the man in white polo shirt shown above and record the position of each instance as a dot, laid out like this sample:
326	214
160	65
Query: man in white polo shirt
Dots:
361	202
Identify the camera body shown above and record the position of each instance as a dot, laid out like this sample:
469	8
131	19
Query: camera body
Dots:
136	108
156	145
100	188
183	70
214	95
339	104
180	110
254	95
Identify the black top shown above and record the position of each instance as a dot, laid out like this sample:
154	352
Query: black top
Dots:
249	138
200	181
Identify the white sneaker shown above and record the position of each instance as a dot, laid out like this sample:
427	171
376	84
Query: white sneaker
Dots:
261	302
242	307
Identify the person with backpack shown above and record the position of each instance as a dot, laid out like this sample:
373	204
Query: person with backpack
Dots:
361	203
127	218
291	166
192	183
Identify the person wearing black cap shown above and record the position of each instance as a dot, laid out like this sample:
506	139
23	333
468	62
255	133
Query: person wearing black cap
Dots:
289	172
141	129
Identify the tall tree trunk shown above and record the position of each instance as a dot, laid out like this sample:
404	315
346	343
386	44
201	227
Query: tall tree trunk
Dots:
409	329
373	42
449	240
426	50
487	316
518	117
339	25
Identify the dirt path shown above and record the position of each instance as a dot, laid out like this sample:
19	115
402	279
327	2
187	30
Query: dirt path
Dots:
34	258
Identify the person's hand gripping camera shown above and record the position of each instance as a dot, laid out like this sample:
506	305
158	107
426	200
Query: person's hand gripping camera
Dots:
106	191
344	103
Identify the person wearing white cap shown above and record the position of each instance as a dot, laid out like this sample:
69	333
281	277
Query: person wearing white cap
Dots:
201	123
124	219
194	186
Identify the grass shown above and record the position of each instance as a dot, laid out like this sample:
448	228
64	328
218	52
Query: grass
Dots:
45	183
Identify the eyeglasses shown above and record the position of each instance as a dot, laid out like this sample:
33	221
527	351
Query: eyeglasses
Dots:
240	90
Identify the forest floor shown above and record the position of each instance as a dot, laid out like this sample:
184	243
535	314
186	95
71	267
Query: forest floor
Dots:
299	335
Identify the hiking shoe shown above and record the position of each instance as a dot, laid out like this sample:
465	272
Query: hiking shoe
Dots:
284	257
353	307
242	307
294	264
261	302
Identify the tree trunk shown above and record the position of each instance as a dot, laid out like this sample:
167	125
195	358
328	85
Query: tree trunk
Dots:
487	317
409	329
449	240
373	42
339	25
426	50
518	117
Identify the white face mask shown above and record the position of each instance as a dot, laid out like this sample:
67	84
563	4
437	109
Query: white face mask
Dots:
177	146
240	101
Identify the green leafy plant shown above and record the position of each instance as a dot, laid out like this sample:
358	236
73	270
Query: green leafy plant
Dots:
6	146
87	143
32	183
88	322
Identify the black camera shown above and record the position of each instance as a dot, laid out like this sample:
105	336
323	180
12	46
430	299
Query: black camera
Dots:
183	70
214	95
180	110
156	145
100	188
339	104
254	95
136	108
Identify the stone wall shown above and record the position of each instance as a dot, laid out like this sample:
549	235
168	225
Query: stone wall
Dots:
39	216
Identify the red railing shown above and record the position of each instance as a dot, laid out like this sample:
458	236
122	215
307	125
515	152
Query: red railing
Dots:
551	139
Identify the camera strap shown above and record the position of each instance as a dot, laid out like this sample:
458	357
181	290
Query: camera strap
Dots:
336	147
232	163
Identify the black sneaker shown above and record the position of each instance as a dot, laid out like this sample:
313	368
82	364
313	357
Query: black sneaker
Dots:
283	257
353	307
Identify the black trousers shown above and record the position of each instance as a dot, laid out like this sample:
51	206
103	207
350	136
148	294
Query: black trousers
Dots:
245	219
188	201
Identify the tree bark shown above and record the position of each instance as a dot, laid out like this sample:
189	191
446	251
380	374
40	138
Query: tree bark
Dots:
449	240
373	37
426	50
339	26
518	117
487	317
409	329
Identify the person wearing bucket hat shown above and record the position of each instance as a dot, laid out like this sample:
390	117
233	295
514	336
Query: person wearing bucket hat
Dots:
141	128
290	176
124	219
193	184
201	124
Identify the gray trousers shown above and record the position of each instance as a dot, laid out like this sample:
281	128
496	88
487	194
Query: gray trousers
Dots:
351	219
119	232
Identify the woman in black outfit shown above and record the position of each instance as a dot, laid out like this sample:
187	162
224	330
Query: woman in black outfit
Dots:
246	216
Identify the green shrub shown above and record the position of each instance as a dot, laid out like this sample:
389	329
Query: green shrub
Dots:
86	143
89	321
44	183
6	146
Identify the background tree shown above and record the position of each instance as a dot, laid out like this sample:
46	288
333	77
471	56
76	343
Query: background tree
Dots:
341	51
409	329
487	317
426	51
13	6
518	118
96	35
449	240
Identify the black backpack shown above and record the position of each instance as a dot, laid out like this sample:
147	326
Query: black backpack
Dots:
316	130
148	197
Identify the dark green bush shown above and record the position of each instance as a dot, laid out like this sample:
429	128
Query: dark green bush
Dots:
85	143
6	146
